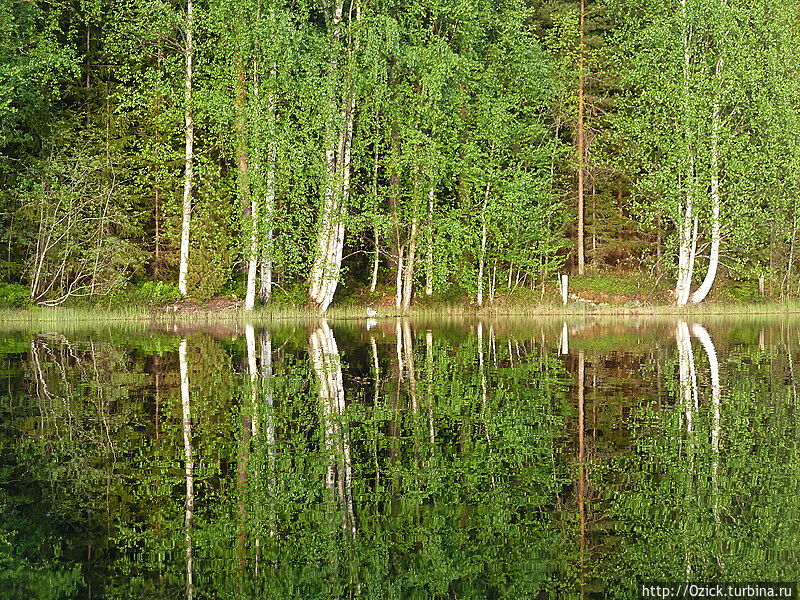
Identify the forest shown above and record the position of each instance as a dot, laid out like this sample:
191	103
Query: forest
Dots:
306	151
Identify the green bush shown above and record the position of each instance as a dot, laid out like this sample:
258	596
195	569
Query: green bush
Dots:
14	295
152	292
744	291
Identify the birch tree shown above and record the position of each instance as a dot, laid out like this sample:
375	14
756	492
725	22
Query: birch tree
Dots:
339	105
186	215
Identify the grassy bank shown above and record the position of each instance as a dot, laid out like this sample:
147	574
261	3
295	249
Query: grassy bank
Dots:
611	294
42	316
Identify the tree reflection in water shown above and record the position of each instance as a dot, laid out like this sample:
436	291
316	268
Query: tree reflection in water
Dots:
414	459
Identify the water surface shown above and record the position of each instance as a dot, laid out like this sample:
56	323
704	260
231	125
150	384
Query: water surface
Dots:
463	459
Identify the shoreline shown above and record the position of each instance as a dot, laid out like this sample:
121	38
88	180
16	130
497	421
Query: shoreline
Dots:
143	315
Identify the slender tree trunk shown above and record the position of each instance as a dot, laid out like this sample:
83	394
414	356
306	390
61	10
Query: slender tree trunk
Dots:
394	210
686	253
408	275
685	236
482	258
375	261
267	220
713	262
157	235
398	300
247	199
429	256
787	278
330	238
594	259
493	282
376	236
685	258
189	160
581	140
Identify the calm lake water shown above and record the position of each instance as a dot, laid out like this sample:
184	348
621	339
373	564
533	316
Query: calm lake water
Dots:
515	459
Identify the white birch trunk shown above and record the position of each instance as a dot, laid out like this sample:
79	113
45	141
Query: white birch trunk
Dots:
398	300
327	262
493	282
268	216
685	264
252	263
376	262
713	261
248	196
482	259
189	160
320	267
408	275
682	287
429	257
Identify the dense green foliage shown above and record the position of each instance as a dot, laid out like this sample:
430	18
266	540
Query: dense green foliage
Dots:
453	126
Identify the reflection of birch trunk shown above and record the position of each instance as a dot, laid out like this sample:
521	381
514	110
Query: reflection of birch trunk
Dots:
408	363
157	398
248	428
429	370
687	374
269	425
189	463
376	368
688	388
564	345
482	375
790	360
716	390
269	432
252	370
42	391
325	359
716	400
481	367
